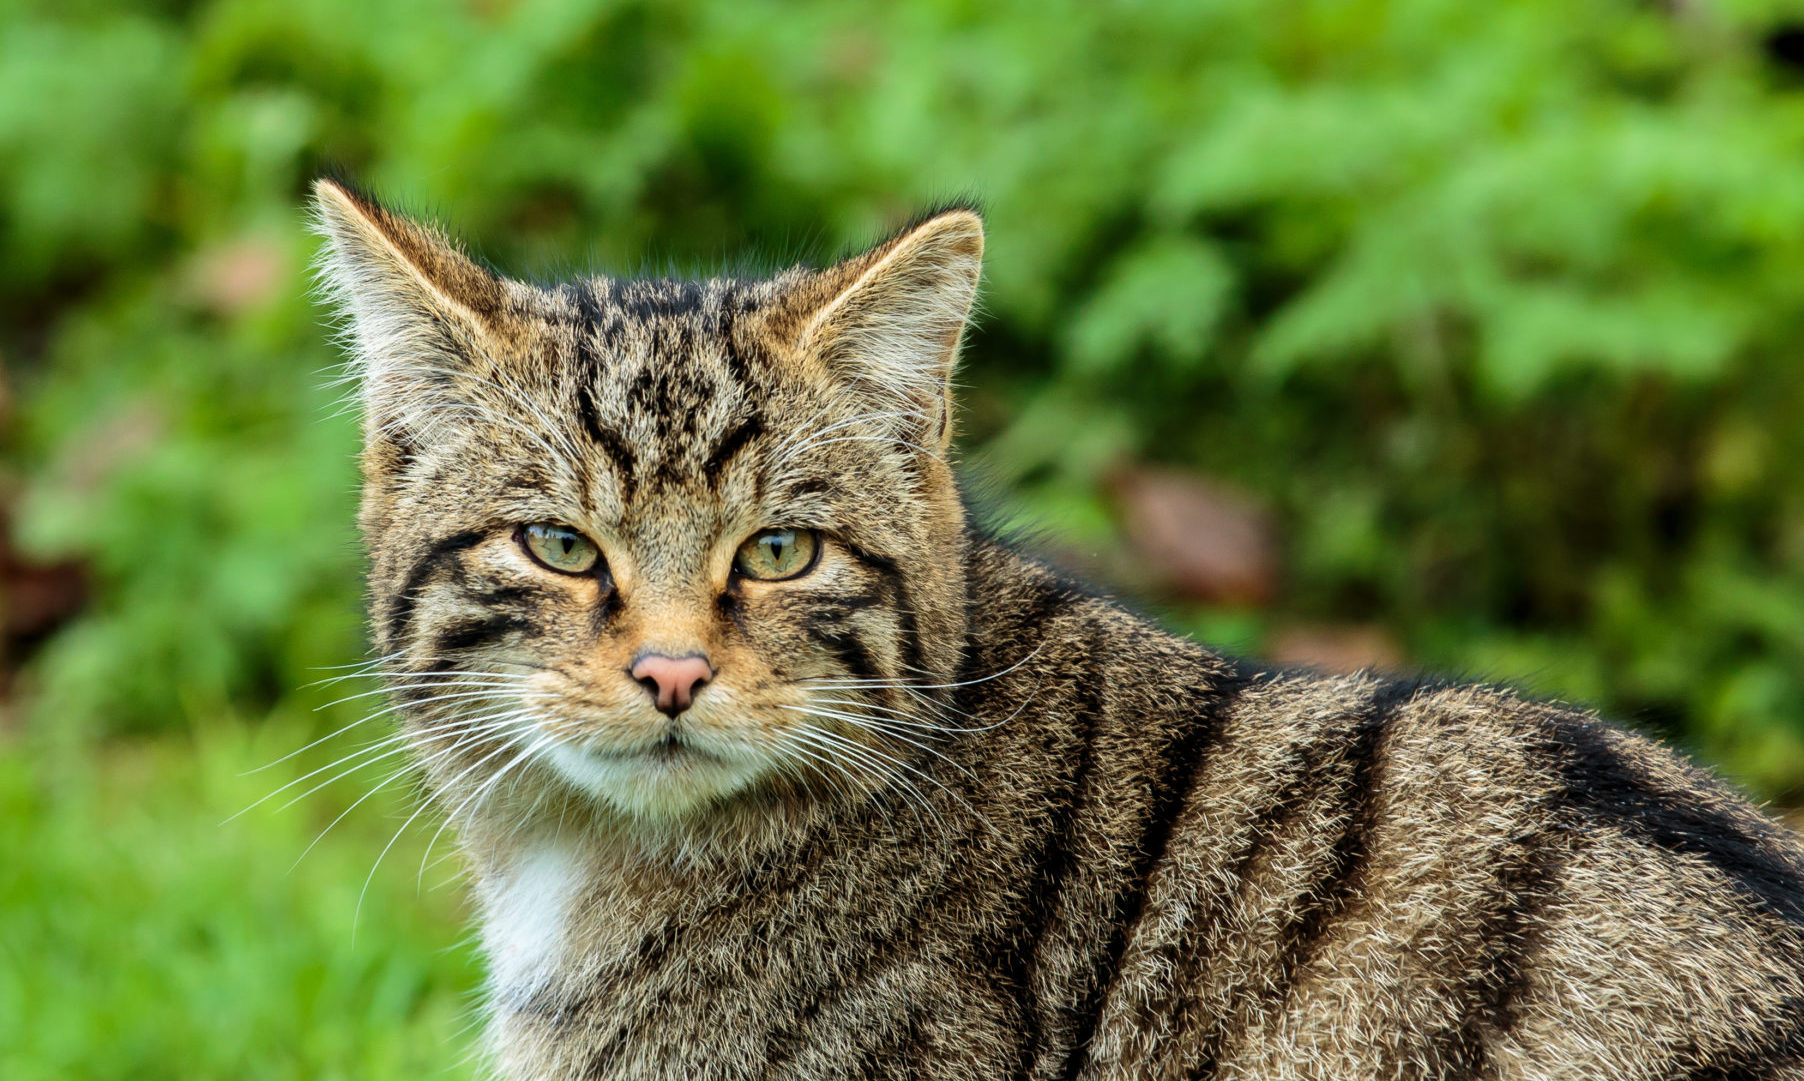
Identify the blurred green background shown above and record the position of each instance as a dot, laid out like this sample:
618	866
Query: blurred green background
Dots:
1429	333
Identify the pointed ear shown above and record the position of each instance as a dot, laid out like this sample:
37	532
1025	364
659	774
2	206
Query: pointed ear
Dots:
889	321
417	310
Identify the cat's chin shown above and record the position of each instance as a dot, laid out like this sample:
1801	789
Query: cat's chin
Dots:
660	783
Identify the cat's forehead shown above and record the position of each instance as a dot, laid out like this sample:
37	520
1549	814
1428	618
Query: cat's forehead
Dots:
670	380
669	351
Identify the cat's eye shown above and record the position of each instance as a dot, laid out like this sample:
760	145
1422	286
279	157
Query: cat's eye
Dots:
560	548
775	554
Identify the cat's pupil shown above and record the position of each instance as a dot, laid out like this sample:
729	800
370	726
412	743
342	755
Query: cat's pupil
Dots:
777	547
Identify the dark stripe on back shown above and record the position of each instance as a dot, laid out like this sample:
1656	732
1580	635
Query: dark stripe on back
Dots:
1328	896
1052	861
1182	761
897	1051
1778	1045
439	554
1506	932
1276	820
1524	887
1601	785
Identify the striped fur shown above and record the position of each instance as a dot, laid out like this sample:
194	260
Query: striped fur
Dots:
941	813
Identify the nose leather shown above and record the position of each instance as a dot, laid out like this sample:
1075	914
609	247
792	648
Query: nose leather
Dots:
672	681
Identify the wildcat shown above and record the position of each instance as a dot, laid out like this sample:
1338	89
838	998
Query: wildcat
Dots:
768	764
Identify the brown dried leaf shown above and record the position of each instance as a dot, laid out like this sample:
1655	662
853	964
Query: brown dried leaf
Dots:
238	276
1198	538
35	598
1336	648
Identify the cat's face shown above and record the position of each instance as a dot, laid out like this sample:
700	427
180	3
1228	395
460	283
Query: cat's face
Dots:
672	546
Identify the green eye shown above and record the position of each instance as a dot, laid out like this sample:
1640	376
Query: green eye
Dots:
560	548
777	553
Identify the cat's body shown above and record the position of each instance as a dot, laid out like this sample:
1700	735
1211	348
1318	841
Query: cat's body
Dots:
928	810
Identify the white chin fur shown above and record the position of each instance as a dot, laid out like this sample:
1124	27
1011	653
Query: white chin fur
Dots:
648	786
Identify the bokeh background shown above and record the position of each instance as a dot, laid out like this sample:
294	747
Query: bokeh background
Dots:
1423	333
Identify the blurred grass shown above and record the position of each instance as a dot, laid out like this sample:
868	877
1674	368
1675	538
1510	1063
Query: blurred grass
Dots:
141	938
1495	309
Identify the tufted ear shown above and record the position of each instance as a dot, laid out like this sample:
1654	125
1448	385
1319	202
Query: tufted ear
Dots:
418	312
889	321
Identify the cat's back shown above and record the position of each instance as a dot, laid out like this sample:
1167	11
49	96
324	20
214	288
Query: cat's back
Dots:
1365	876
1379	877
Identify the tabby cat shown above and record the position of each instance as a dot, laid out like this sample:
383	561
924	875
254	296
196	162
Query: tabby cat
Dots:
769	764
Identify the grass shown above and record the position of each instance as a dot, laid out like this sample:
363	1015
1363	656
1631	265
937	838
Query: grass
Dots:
142	938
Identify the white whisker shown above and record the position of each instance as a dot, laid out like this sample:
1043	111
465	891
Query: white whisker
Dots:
873	725
543	741
906	684
907	719
400	743
410	821
879	763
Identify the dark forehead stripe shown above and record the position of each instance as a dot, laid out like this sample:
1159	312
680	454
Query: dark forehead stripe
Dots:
626	463
732	303
585	298
731	444
748	361
661	298
599	327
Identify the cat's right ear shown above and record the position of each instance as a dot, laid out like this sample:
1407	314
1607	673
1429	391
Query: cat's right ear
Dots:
418	312
888	323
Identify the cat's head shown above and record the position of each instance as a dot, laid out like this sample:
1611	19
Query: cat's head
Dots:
671	545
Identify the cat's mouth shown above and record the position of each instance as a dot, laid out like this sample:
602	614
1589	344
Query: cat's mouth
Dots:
671	747
669	772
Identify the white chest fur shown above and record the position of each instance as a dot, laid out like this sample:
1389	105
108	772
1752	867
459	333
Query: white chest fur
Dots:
526	915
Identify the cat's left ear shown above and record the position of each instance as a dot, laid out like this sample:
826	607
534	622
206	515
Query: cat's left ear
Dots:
421	314
889	321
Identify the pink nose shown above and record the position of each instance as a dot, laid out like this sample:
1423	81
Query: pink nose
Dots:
672	680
